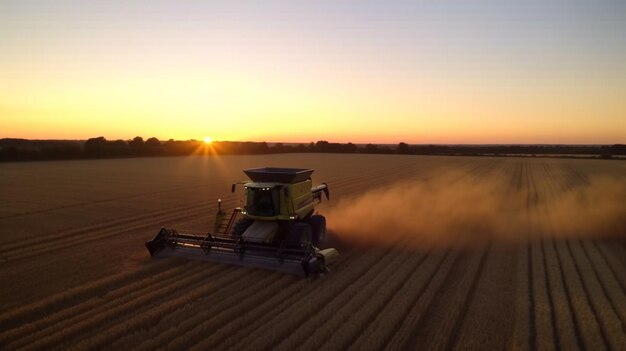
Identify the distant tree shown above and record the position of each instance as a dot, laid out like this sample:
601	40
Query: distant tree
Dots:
384	150
618	149
349	148
169	146
371	149
152	146
403	148
153	142
95	147
10	153
60	151
136	141
261	148
322	146
118	148
136	145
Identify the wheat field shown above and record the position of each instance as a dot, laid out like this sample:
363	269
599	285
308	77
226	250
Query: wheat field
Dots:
437	253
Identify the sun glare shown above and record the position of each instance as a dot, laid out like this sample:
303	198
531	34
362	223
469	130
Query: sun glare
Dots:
207	139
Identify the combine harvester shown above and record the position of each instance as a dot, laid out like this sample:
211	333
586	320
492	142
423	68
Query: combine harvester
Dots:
276	228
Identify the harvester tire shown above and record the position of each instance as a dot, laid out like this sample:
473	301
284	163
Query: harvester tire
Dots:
318	229
299	235
240	227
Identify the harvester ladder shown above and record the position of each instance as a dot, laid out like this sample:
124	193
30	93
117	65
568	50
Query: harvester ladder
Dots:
228	222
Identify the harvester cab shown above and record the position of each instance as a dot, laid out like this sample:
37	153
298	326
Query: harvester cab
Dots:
276	228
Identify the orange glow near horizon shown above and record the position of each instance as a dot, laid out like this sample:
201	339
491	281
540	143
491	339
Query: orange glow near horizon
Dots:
361	77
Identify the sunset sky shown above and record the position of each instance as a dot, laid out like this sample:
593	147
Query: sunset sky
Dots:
295	71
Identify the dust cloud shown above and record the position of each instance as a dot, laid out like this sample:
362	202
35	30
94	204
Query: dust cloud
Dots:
438	213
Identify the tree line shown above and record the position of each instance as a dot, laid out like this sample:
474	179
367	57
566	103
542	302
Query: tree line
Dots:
100	147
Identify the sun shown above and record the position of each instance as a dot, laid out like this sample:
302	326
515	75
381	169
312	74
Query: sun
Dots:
207	140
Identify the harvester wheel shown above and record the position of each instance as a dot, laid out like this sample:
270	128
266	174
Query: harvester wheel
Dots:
299	235
240	227
318	228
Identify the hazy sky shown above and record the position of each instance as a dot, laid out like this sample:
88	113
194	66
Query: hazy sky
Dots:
380	71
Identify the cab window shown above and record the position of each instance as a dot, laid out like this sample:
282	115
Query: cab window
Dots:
260	202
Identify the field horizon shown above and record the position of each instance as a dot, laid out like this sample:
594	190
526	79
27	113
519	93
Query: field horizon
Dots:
292	142
12	150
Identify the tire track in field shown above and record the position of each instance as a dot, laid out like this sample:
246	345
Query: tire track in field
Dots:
598	310
544	323
90	305
103	226
146	303
500	169
340	319
118	226
159	281
476	172
590	332
197	293
377	328
114	199
566	329
60	332
415	315
56	333
565	320
524	331
610	284
249	300
446	311
475	327
610	325
117	198
43	248
526	336
464	301
59	301
571	305
204	310
296	314
546	333
612	263
487	323
588	329
481	170
253	316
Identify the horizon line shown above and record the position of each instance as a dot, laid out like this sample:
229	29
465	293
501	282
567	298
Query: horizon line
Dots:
332	142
